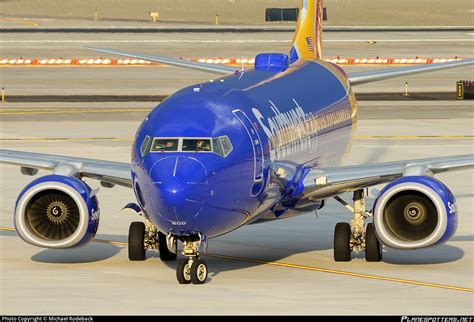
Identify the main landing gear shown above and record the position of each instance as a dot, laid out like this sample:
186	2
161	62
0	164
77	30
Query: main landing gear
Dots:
192	269
144	236
355	237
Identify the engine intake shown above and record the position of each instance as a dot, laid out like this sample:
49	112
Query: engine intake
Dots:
56	212
53	215
415	212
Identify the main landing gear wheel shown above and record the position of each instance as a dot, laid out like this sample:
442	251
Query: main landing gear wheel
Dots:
342	242
183	272
373	249
165	254
136	241
198	271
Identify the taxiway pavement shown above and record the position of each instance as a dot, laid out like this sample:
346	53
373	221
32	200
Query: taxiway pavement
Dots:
99	279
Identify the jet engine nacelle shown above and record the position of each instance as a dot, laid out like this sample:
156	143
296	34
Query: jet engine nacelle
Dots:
415	212
57	212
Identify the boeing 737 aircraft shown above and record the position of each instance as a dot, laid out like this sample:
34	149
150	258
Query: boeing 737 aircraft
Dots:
251	146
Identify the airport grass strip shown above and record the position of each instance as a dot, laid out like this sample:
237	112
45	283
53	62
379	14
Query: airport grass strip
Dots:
308	268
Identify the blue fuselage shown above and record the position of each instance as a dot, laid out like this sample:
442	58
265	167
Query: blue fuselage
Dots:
279	124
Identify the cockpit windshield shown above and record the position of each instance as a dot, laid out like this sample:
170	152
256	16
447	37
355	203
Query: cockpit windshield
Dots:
220	145
162	145
196	145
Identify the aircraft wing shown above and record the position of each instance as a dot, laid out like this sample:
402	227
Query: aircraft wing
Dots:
213	68
379	75
322	183
109	173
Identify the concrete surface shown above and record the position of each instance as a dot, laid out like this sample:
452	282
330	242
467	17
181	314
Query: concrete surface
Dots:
340	12
99	279
165	80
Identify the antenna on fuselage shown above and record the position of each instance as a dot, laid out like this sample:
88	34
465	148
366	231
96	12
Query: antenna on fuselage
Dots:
242	67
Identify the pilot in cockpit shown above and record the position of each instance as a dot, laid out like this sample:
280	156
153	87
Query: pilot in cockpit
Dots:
166	145
203	145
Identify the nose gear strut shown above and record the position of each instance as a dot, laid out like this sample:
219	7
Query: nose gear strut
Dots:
192	269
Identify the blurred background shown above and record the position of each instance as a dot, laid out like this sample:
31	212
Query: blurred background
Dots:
341	12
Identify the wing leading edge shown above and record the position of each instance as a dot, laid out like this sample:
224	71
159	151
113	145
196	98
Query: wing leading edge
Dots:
107	172
322	183
384	74
213	68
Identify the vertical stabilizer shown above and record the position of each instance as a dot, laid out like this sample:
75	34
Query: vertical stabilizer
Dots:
307	38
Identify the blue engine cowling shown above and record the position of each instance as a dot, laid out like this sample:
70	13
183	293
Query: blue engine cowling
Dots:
415	212
56	212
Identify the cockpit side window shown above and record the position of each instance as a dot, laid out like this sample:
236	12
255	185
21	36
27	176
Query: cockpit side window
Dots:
145	147
222	145
165	145
226	145
196	145
217	146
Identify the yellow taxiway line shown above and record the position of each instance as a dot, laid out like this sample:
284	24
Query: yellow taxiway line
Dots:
19	21
309	268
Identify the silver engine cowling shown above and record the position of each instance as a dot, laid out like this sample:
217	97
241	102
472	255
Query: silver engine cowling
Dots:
56	212
414	212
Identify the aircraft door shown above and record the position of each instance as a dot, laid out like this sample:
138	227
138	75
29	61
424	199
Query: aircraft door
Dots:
257	149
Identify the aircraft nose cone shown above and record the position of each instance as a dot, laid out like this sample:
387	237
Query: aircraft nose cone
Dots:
181	184
173	192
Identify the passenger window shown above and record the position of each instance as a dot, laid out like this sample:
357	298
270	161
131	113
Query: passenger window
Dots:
165	145
145	147
196	145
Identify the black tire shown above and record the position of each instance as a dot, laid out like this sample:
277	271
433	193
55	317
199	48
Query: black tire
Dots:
373	248
342	239
183	272
199	271
136	241
165	254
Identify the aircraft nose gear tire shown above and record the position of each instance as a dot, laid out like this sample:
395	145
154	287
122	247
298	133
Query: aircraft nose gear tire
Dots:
191	270
136	241
198	271
183	272
373	249
342	242
165	254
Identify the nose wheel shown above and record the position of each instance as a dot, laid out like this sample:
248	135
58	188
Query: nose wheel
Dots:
198	271
192	270
183	272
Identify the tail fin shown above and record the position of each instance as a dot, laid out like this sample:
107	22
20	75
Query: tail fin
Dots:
307	38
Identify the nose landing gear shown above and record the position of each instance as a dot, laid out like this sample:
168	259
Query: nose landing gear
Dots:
192	269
